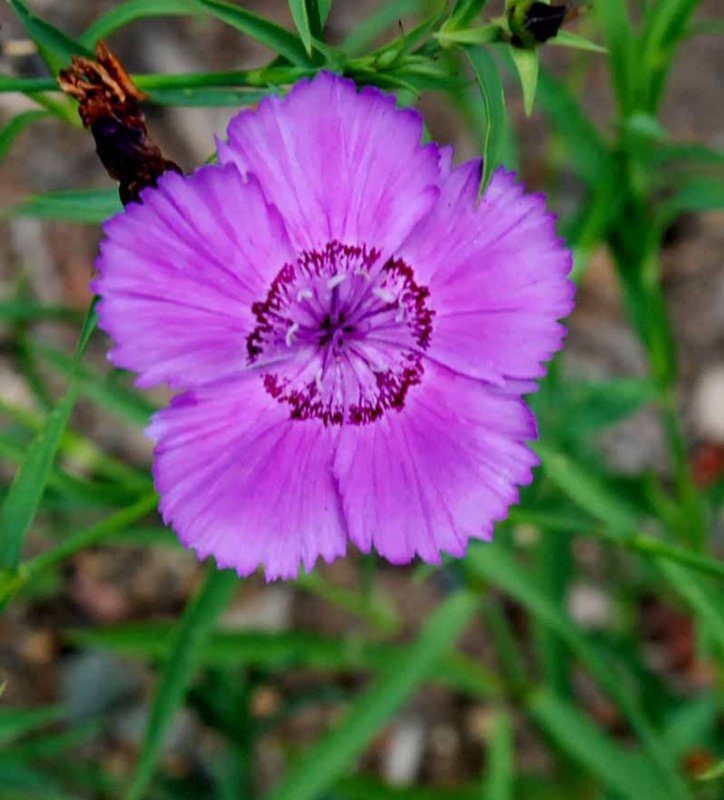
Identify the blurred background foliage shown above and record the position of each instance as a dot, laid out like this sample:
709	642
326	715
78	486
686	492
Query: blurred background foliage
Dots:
580	655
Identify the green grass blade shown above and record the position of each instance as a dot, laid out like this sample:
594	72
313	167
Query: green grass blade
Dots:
89	206
132	10
499	759
23	498
613	16
262	30
56	47
585	149
667	25
27	311
622	771
300	14
189	640
327	760
387	14
90	536
492	564
272	650
491	90
16	126
16	722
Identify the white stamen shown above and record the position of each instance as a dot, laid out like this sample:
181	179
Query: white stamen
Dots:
336	280
384	294
290	334
304	294
362	273
318	380
400	315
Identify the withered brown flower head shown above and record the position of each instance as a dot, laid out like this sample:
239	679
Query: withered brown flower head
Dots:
110	108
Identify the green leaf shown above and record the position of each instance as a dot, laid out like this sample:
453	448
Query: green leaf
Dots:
27	311
56	47
90	536
613	16
387	14
16	126
189	640
89	206
667	24
695	195
208	98
262	30
101	388
317	770
714	773
499	781
23	497
527	63
16	722
568	39
132	10
485	34
491	90
300	15
494	565
622	771
279	650
588	491
463	13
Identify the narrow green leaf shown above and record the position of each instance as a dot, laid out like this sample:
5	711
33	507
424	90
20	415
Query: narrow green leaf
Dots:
495	566
499	781
485	34
189	640
568	39
695	195
132	10
90	536
463	13
300	15
56	47
27	311
208	98
89	206
715	773
698	595
274	650
262	30
667	24
22	500
326	761
613	16
387	14
16	126
622	771
16	722
527	63
101	388
491	90
588	491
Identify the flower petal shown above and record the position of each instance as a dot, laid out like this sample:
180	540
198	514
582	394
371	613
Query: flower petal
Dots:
497	277
241	481
437	474
338	164
178	275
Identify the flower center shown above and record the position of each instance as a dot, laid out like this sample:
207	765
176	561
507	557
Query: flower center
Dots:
339	335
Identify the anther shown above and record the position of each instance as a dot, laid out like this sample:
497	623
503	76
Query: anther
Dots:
384	294
333	282
304	294
289	338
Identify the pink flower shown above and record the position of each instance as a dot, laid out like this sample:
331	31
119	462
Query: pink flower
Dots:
351	329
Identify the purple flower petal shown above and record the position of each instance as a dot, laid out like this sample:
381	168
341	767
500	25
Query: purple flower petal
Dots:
497	277
338	164
238	480
178	276
442	471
